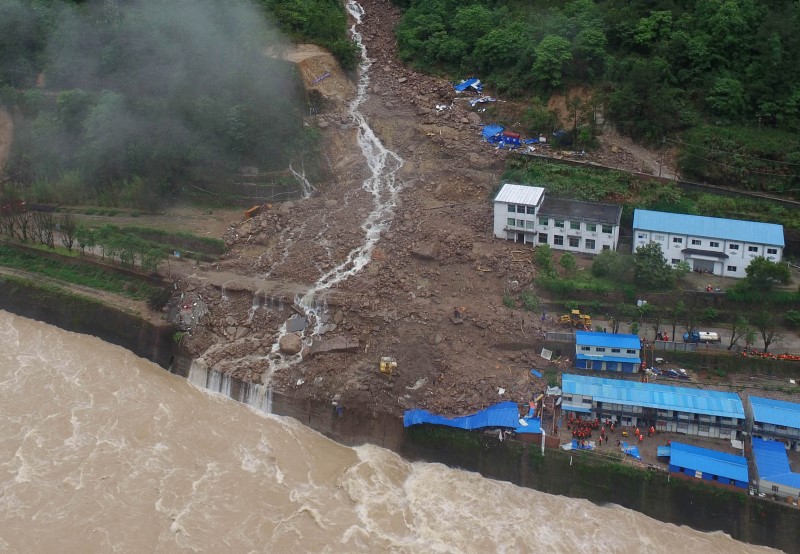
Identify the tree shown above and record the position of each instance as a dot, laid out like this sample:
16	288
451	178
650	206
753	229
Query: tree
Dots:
68	228
552	53
767	327
762	274
650	267
610	263
543	258
568	262
681	270
740	328
676	314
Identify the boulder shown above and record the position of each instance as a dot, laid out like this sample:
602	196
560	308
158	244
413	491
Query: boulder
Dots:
290	343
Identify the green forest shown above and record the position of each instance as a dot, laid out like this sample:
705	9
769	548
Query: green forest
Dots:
721	74
124	103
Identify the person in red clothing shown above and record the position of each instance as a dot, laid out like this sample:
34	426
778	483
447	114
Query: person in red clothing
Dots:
641	438
652	431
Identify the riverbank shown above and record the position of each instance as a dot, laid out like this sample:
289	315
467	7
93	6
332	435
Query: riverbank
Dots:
657	495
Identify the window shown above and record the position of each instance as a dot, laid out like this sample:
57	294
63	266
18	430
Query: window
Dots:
775	488
752	248
511	222
543	221
677	240
608	229
772	250
591	227
530	224
587	401
530	210
631	351
696	242
574	242
600	349
558	240
658	237
575	225
512	208
615	350
606	247
589	244
520	223
542	238
733	246
559	223
675	260
585	348
641	236
713	244
731	268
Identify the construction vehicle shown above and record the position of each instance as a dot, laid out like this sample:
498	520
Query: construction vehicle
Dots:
388	365
576	319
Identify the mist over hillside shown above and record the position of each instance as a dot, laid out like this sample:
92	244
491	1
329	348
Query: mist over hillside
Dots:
137	97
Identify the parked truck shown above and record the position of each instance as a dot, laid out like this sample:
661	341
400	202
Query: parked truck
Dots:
701	336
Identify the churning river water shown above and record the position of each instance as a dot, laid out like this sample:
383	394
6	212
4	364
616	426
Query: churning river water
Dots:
101	451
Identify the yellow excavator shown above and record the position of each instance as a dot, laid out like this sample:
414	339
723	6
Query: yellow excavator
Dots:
388	365
576	319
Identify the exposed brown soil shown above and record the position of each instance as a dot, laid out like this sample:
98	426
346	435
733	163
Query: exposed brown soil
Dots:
437	255
6	137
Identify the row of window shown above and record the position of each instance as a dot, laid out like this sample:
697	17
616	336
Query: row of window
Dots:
515	208
560	223
603	349
711	243
574	242
730	268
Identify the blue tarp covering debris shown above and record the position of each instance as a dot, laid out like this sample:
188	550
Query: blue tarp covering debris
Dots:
504	414
531	425
469	83
536	373
663	451
490	131
632	451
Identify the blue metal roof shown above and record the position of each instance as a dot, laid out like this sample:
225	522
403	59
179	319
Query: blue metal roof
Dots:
504	414
611	340
776	412
663	397
711	227
772	463
601	358
709	461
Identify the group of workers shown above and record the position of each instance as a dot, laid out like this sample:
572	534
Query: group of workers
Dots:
582	429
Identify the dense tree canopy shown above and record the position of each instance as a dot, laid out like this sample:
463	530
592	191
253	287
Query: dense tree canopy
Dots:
667	65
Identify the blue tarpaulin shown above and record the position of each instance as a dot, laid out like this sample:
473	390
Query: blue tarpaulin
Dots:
532	425
632	451
504	414
663	451
536	373
490	131
469	83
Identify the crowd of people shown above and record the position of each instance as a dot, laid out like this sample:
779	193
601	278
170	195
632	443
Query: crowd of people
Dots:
583	429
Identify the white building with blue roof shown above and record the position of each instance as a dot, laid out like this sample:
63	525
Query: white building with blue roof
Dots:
709	465
775	420
607	352
775	475
714	245
668	408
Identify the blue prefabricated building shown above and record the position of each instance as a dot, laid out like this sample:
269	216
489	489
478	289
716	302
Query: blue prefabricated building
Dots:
607	351
775	475
669	408
709	465
776	420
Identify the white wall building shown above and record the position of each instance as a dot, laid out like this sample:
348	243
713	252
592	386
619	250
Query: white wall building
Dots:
710	244
523	214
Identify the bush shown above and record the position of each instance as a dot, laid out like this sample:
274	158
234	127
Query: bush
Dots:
508	301
529	301
793	318
710	314
158	298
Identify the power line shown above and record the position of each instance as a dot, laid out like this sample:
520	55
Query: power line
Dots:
730	153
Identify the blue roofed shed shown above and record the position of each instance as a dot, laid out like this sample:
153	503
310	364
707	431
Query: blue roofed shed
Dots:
709	465
610	340
650	395
775	475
